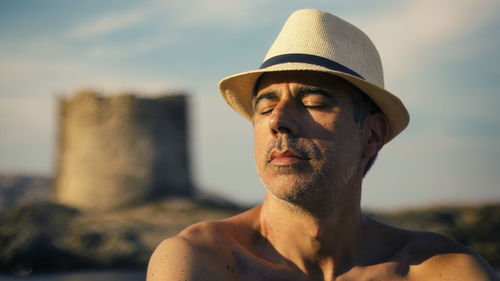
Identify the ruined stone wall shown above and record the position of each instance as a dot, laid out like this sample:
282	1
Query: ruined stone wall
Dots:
121	150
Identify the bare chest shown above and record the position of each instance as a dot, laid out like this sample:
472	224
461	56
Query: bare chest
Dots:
250	269
389	271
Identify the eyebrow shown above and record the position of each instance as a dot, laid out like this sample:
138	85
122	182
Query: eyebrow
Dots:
266	95
306	91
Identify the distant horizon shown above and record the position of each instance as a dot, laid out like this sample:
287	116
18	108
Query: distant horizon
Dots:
247	205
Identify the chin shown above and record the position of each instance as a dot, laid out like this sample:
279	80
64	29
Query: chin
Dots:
290	188
311	191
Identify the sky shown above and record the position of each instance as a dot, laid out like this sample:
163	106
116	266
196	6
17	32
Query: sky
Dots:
441	58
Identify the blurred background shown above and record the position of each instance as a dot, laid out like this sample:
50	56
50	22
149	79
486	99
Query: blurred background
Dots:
441	58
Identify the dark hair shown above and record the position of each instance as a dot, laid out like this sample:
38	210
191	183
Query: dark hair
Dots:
363	106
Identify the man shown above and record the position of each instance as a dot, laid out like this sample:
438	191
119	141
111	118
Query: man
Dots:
320	115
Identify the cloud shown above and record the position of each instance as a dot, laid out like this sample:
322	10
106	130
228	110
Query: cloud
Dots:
199	12
406	33
173	14
109	23
120	50
48	77
164	20
423	44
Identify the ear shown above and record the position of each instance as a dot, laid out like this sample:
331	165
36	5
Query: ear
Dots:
375	132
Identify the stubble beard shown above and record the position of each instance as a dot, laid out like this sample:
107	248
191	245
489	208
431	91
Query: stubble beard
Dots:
314	186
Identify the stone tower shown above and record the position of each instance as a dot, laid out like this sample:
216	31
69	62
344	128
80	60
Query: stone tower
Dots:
121	150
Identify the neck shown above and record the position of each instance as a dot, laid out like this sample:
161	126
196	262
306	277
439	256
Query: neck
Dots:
325	245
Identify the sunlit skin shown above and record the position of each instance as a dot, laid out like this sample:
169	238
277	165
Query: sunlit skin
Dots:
310	154
308	147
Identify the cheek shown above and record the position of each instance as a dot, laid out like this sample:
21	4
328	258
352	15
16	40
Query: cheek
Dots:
339	124
259	145
325	121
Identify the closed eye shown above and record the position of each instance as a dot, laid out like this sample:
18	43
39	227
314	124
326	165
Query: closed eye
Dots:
316	98
265	103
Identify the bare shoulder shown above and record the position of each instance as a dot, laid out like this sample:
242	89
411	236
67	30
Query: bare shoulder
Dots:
436	257
194	252
200	252
170	260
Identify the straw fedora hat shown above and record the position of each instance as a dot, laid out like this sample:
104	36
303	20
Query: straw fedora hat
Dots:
313	40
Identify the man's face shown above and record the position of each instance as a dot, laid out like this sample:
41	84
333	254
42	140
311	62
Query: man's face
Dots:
307	144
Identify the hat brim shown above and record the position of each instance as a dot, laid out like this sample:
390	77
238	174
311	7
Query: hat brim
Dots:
237	91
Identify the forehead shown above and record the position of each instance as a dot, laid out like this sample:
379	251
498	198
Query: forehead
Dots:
305	78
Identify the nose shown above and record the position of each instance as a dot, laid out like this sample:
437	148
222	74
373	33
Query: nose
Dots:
284	118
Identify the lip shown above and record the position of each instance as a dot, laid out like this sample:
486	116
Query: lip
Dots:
285	157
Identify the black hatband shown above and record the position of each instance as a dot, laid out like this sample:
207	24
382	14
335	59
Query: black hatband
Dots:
311	59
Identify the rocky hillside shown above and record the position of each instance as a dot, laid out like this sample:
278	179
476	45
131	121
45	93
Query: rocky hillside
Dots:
475	226
37	235
18	190
51	237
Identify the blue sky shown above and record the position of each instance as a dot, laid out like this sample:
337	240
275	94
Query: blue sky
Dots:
440	57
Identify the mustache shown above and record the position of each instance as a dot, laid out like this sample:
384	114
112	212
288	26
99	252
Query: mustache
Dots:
305	148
